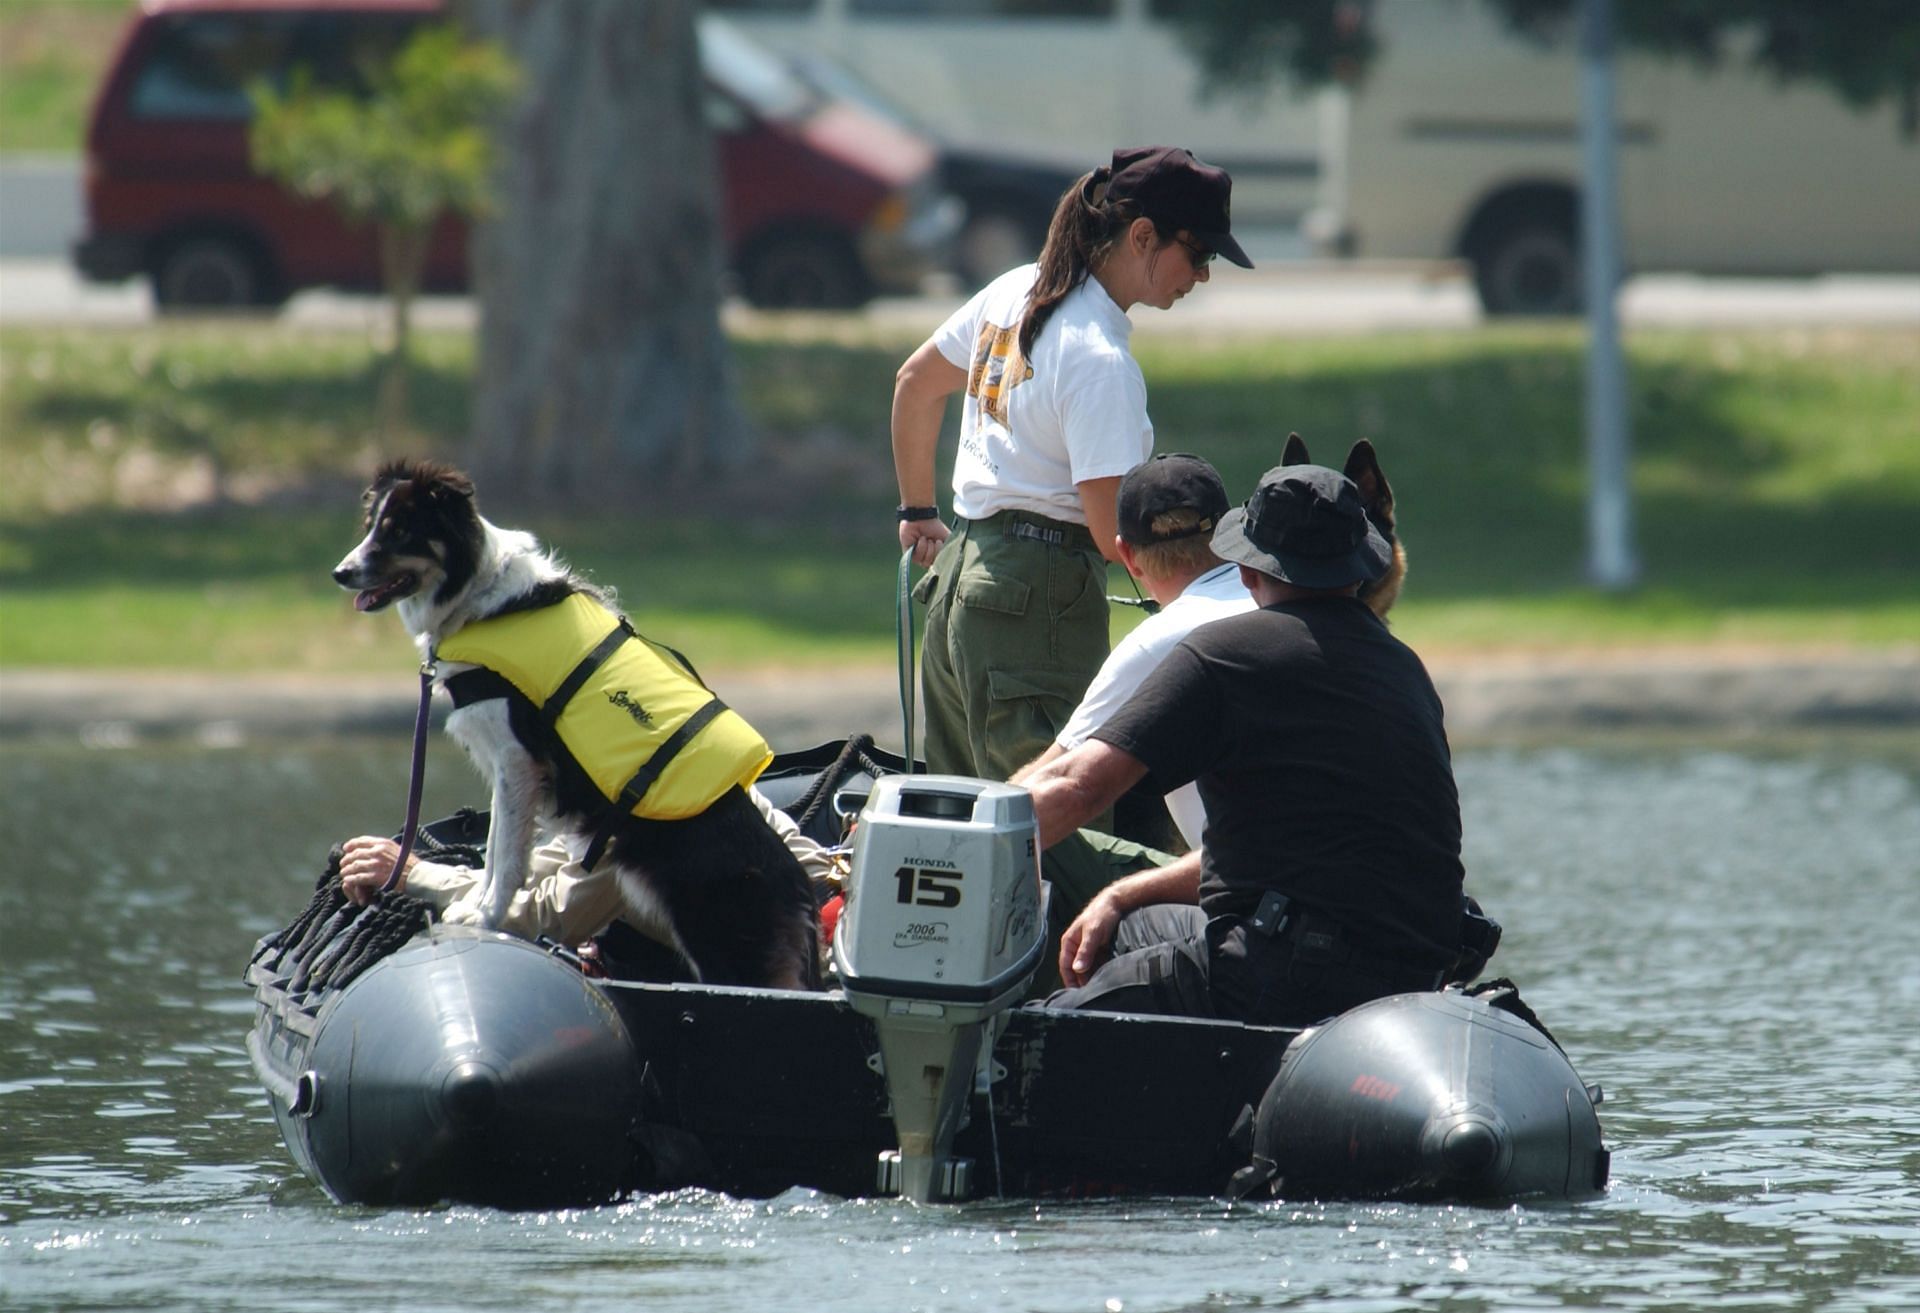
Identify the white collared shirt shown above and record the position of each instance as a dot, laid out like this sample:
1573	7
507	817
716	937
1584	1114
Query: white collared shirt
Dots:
1215	595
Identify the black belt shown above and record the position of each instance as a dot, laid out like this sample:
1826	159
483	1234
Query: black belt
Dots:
1035	527
1319	940
1053	536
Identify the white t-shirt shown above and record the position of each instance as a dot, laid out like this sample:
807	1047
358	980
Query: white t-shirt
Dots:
1032	429
1215	595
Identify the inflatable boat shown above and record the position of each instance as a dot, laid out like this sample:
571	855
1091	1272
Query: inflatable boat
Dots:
410	1063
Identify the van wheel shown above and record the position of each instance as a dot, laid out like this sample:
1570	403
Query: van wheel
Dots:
804	273
203	273
1530	268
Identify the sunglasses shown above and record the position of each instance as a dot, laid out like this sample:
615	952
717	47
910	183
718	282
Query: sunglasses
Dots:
1200	256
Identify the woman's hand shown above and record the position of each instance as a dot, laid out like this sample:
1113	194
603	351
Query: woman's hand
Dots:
923	538
365	864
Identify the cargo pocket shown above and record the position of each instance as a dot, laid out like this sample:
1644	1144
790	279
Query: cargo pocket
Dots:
1001	596
1025	710
924	590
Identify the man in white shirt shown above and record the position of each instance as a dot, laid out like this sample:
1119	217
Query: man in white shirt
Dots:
1166	510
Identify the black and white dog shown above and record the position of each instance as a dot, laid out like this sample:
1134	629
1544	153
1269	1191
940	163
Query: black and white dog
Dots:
721	884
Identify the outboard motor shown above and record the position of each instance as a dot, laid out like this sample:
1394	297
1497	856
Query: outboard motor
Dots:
942	932
1425	1097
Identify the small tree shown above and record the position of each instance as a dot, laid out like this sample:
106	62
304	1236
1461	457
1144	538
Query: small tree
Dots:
414	146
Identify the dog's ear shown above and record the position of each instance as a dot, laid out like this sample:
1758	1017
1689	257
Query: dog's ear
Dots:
451	484
1295	452
1363	467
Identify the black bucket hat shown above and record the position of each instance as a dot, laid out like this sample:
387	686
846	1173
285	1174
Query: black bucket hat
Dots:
1306	525
1173	188
1169	482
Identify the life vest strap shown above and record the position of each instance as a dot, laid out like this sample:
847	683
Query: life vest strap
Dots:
479	685
643	779
577	677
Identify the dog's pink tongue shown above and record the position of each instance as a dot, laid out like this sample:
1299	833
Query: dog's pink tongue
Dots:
363	601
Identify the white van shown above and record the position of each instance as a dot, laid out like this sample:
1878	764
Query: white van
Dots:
1063	81
1464	142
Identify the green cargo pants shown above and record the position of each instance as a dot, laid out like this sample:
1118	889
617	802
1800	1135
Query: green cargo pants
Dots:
1016	630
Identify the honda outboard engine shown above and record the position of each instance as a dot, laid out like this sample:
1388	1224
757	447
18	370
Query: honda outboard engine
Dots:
1424	1097
942	931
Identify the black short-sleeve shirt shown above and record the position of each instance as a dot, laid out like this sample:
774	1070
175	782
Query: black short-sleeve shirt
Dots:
1317	741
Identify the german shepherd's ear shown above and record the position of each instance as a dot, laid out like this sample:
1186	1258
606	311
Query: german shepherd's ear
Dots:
1295	452
1363	467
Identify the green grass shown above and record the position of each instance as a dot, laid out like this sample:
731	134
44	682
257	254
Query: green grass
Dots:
174	496
53	54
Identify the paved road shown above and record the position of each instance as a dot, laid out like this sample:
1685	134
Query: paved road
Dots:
40	215
1304	298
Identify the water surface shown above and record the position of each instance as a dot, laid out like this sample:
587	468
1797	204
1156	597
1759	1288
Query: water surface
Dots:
1726	938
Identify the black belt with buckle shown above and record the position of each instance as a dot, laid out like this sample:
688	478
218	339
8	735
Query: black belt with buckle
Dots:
1319	941
1052	537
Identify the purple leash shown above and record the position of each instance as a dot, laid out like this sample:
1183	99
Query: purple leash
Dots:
419	775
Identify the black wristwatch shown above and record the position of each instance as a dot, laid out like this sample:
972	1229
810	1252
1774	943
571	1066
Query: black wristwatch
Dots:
905	513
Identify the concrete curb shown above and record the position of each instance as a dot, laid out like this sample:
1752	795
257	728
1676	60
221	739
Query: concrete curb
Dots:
1490	698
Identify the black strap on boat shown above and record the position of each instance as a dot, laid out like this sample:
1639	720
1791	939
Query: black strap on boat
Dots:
644	778
576	679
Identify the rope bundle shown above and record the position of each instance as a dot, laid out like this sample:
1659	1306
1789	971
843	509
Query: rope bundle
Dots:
852	755
331	942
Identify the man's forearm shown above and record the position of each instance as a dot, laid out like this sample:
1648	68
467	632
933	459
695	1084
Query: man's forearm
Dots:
1077	786
1178	882
1025	773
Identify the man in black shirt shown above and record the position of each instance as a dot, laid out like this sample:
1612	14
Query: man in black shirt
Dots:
1330	872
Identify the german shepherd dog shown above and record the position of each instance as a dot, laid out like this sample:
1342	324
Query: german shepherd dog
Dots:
720	885
1363	467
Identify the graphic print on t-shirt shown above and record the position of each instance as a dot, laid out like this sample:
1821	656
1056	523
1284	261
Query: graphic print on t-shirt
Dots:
998	368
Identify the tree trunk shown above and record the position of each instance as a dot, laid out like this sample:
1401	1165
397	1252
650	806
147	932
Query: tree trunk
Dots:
602	367
403	258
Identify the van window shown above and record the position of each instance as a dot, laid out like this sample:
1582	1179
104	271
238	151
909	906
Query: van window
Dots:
939	9
201	65
747	72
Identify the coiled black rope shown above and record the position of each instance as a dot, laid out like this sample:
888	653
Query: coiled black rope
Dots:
382	926
327	899
332	941
852	754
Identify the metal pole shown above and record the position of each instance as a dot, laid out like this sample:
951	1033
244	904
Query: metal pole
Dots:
1611	562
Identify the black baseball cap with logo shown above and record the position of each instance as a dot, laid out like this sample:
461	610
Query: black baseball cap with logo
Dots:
1171	482
1175	189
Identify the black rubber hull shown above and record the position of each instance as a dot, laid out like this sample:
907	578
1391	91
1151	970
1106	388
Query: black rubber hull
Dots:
481	1069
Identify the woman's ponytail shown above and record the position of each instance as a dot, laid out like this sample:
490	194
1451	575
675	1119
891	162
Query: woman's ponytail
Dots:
1084	226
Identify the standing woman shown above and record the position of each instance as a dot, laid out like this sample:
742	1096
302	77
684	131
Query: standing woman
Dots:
1055	414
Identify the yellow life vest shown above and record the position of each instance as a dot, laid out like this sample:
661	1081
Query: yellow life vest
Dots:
638	722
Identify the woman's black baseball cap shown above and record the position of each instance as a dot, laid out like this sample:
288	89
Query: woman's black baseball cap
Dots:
1171	186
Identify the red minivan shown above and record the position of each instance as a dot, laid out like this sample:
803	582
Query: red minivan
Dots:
823	203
